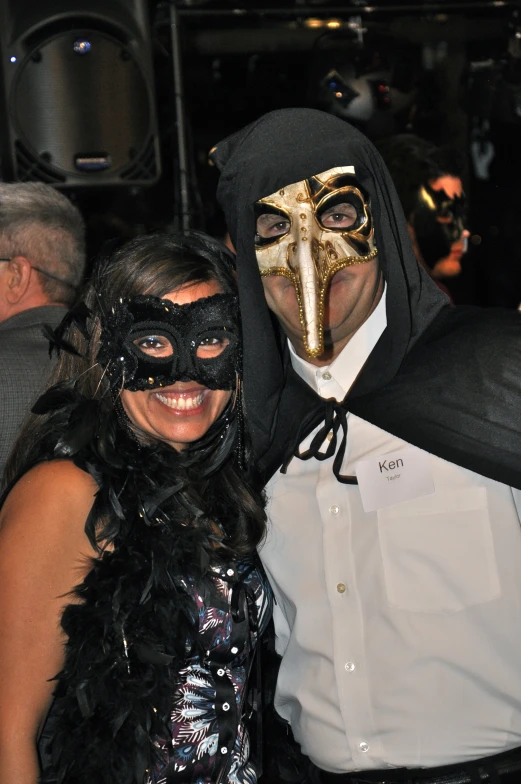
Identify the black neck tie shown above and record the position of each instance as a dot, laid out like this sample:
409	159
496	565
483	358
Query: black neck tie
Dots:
334	416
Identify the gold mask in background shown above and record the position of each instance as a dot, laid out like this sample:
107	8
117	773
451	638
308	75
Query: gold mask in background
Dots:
299	235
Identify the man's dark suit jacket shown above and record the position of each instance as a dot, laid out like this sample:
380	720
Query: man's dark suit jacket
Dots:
24	367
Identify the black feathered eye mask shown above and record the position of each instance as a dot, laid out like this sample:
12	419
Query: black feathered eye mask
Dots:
148	342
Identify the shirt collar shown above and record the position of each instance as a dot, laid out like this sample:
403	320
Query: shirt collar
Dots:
345	368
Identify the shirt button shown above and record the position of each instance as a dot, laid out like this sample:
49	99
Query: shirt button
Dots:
226	706
326	376
235	650
341	588
334	510
224	750
220	673
349	666
230	572
364	746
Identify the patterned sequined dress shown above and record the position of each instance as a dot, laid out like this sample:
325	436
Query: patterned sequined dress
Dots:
209	740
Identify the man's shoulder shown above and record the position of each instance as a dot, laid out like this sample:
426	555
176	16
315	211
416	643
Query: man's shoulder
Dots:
472	316
22	334
465	330
34	318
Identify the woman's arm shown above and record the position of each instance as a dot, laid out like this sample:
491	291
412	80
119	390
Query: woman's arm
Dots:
44	553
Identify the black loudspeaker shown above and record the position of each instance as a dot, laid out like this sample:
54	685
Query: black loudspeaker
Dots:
77	99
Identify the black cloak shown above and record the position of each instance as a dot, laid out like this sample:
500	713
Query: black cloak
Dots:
447	380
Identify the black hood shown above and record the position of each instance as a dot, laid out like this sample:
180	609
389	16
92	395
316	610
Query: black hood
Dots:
282	148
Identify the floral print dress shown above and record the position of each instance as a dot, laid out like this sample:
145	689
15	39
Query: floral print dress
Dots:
209	741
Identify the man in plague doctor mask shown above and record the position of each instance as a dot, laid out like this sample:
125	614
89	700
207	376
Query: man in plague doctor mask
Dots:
387	426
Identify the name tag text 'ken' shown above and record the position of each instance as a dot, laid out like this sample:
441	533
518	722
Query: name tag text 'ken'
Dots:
393	478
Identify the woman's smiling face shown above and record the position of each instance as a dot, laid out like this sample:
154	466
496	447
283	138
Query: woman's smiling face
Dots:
182	412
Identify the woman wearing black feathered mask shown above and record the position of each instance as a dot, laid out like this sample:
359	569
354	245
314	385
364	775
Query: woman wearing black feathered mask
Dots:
128	481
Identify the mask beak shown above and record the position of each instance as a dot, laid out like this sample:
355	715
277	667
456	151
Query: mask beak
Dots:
310	294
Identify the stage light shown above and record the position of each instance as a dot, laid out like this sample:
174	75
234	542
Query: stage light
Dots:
334	24
314	23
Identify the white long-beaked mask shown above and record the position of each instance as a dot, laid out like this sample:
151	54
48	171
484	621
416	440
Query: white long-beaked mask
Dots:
308	231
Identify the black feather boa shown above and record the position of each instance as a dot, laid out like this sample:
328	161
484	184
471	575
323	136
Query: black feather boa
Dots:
131	624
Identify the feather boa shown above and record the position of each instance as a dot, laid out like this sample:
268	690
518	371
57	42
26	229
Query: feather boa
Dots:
131	625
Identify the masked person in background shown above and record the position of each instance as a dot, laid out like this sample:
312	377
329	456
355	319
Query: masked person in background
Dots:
387	426
428	181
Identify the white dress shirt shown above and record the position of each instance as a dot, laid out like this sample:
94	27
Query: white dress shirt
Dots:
400	629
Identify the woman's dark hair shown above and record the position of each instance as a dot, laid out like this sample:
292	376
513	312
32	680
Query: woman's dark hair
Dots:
155	264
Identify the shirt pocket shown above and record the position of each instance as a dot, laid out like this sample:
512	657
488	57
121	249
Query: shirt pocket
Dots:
438	553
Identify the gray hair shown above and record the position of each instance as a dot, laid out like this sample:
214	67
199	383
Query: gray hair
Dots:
38	222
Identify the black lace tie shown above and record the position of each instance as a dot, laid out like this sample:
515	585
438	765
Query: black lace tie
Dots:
334	416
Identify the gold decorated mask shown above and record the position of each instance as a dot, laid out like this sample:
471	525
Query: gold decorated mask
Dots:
308	231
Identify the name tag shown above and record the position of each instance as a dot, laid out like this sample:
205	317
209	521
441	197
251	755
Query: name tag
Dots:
393	478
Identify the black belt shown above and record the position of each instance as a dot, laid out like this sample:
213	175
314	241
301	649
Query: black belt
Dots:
504	768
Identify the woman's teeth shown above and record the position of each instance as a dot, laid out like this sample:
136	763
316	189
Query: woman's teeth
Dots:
181	403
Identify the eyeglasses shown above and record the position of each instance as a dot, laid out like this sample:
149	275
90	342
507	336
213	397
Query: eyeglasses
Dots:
48	274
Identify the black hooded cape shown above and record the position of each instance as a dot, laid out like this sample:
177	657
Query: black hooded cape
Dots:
447	380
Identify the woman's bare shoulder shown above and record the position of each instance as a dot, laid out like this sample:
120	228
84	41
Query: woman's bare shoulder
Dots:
56	490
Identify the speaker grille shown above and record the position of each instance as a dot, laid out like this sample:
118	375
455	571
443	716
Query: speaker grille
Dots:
31	168
144	166
82	112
